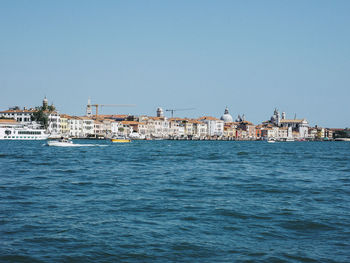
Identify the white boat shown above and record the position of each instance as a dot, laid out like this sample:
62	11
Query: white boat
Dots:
342	139
271	140
61	143
136	136
12	130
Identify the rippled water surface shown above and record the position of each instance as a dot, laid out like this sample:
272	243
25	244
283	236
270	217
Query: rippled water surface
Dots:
175	201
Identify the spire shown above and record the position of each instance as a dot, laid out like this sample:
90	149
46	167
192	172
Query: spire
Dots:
226	111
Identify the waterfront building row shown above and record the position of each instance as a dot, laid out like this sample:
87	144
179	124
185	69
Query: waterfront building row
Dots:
206	127
174	128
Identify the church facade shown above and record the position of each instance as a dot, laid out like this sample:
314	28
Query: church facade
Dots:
300	126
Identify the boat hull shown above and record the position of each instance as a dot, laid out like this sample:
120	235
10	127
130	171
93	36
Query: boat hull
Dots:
120	140
343	139
60	144
22	134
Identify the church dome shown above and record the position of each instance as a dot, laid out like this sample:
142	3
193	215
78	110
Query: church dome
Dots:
226	117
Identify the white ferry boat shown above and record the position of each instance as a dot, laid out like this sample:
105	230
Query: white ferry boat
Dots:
12	130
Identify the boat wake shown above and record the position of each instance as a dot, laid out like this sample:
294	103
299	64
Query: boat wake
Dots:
77	145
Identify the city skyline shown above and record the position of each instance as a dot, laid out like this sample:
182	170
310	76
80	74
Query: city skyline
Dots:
177	113
251	57
17	124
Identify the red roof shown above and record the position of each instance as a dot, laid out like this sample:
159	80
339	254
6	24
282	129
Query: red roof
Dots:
8	121
208	118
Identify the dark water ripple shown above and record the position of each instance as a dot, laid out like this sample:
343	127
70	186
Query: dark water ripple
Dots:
175	201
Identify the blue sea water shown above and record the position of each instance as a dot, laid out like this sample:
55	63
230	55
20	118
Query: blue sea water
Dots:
175	201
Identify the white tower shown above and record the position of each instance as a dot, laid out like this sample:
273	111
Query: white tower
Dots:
278	119
283	115
89	108
160	112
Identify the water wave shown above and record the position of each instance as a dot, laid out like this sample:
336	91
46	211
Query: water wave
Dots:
170	201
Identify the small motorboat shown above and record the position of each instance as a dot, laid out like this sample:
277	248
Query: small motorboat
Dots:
63	142
342	139
271	140
137	136
120	139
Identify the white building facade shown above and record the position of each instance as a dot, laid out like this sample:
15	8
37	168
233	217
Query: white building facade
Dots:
215	127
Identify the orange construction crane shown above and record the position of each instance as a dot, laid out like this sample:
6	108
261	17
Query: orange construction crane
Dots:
109	105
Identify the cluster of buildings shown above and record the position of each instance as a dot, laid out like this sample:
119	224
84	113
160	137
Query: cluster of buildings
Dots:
160	127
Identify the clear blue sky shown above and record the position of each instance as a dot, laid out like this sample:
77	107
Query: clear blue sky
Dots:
249	55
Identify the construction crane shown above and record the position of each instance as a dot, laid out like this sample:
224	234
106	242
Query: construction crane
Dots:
173	110
108	105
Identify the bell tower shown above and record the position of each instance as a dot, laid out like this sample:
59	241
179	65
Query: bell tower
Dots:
45	103
160	112
89	108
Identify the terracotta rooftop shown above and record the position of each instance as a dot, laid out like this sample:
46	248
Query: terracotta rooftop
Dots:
209	118
64	116
195	121
18	111
111	116
8	121
108	120
132	123
246	122
157	118
85	118
176	119
74	118
292	121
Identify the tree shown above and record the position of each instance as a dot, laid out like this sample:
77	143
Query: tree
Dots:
41	117
51	108
41	114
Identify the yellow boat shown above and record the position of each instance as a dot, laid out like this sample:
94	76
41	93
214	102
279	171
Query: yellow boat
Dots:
120	139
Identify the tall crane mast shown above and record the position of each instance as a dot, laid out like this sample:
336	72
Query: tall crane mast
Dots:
173	110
